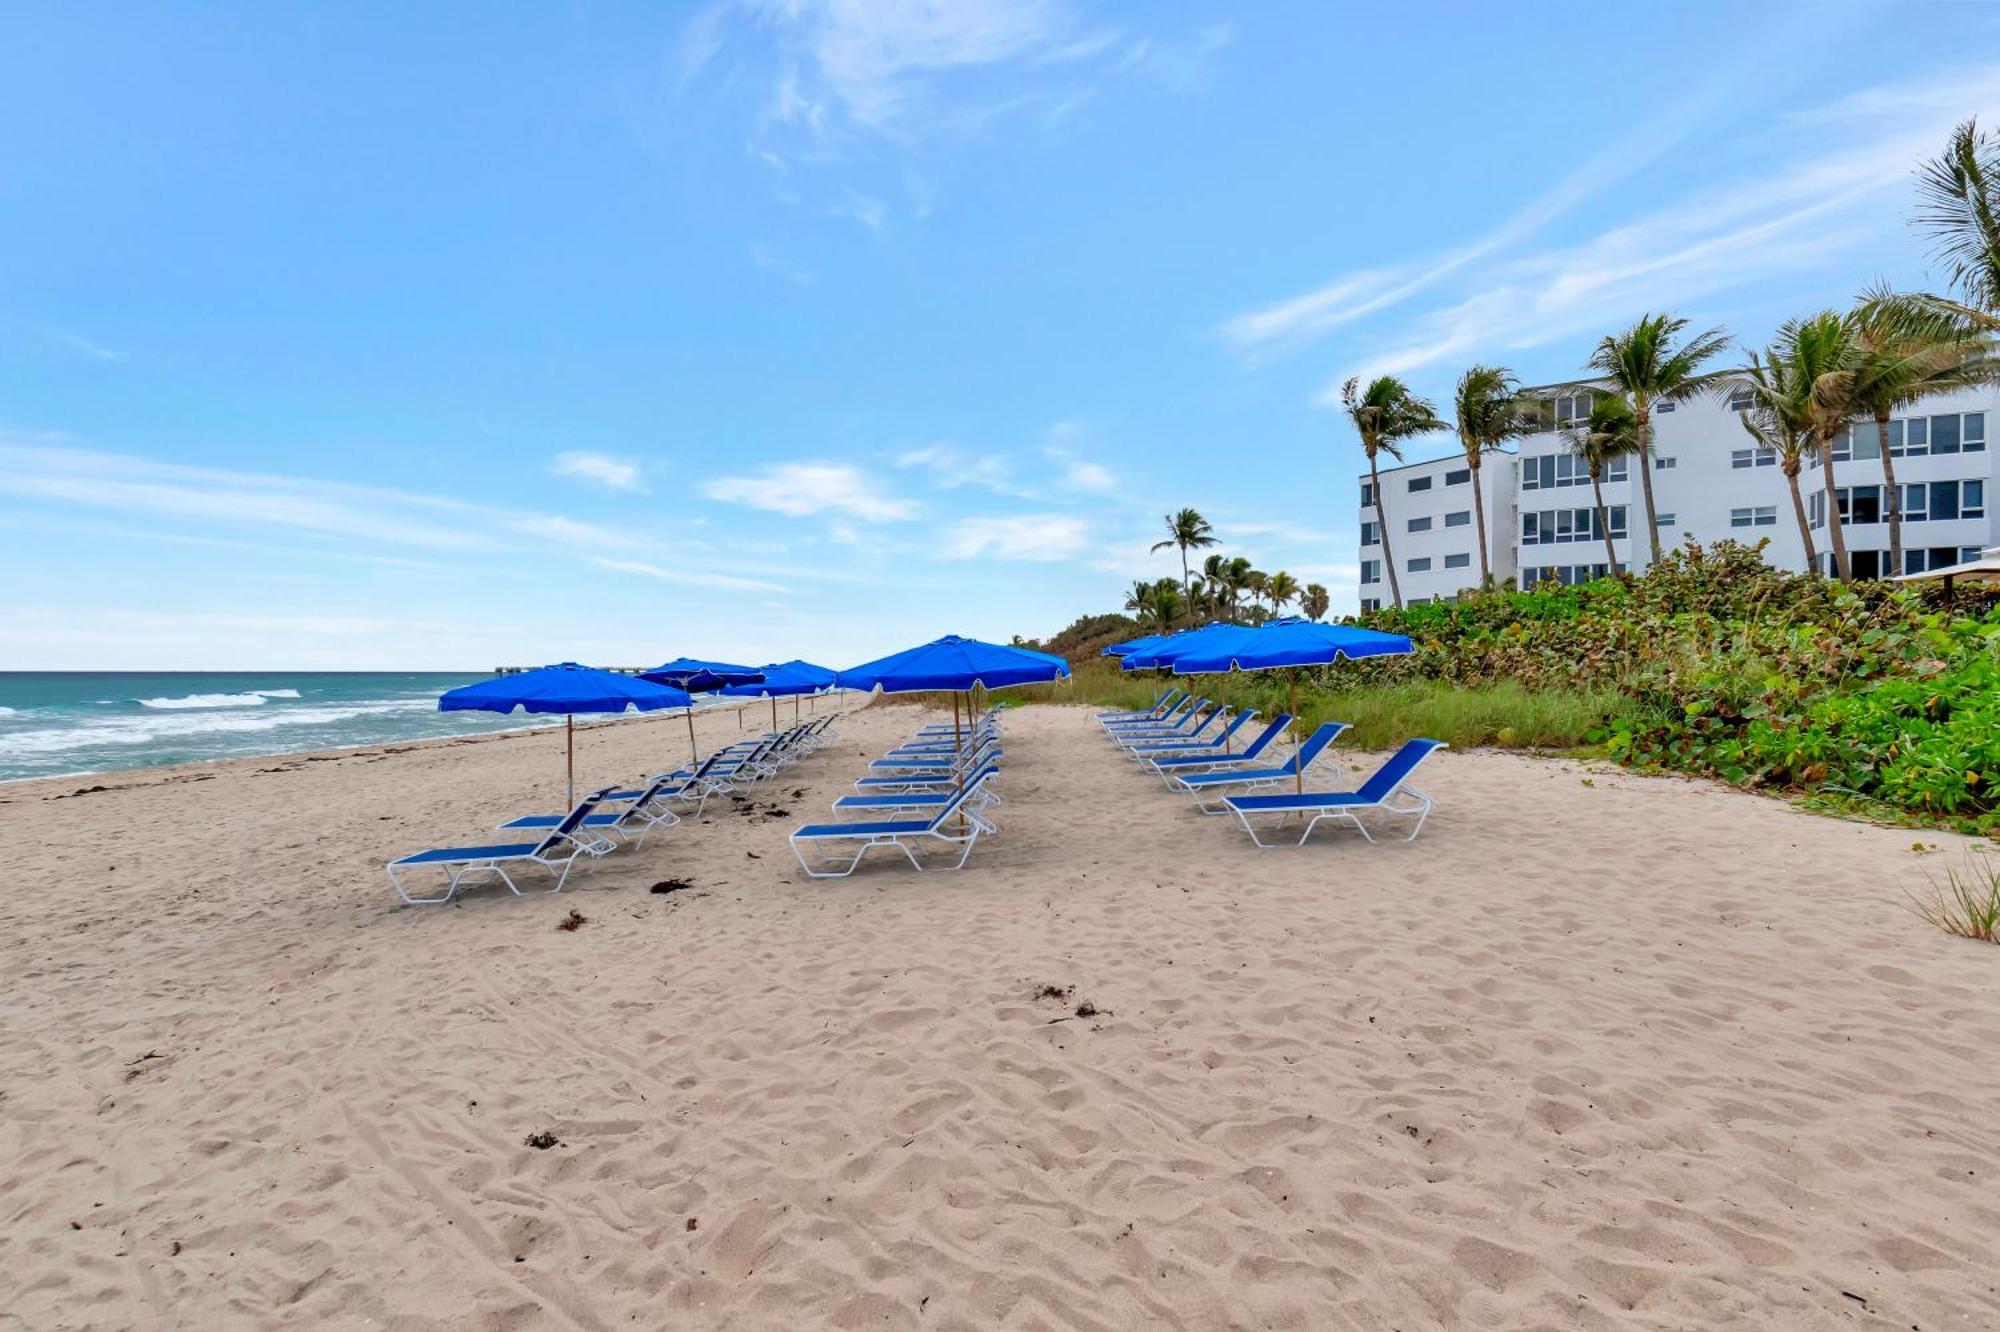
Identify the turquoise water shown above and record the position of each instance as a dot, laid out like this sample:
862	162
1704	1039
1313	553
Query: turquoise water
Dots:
55	723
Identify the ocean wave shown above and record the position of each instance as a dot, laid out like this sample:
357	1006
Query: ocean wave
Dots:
274	693
252	699
9	712
196	728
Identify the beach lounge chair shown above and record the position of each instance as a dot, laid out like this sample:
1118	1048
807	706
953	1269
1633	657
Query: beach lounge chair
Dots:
1189	727
1211	789
1175	763
923	797
949	761
643	811
955	823
1159	708
1171	717
1387	792
1147	751
464	865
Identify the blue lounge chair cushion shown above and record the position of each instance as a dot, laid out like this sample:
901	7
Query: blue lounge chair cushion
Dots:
530	822
863	829
508	851
1307	800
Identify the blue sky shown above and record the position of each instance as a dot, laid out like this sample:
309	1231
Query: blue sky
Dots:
446	336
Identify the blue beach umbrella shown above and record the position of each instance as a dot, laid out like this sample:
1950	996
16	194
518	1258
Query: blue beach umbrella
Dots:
702	676
1287	645
565	688
955	665
1166	651
784	679
1132	645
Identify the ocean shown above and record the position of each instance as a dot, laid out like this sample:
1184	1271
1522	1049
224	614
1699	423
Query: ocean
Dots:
59	723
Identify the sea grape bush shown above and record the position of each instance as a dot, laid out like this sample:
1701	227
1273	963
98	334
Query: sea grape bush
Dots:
1862	694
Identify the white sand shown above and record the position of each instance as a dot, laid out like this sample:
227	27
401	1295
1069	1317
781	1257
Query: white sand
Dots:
1637	1054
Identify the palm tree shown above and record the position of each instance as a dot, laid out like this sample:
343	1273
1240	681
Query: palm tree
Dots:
1958	195
1821	352
1611	433
1236	580
1385	414
1314	602
1779	419
1648	367
1188	531
1906	353
1490	411
1282	589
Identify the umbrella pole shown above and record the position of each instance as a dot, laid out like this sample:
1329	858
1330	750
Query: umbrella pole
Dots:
958	742
694	753
569	767
1298	768
774	712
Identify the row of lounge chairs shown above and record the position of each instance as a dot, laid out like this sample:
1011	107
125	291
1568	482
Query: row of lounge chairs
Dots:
1186	742
935	790
605	820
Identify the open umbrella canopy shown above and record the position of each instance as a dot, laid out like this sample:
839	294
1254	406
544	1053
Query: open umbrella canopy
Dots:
1133	645
1284	643
702	676
782	679
1168	650
565	688
954	664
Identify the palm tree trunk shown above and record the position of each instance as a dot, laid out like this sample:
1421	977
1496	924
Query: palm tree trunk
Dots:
1836	536
1382	523
1604	528
1799	512
1479	514
1644	412
1187	588
1892	501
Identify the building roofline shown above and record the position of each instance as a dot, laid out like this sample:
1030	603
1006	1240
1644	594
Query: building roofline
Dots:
1432	462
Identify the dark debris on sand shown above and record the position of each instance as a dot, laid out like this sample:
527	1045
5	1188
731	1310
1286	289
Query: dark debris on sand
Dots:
573	921
542	1141
670	886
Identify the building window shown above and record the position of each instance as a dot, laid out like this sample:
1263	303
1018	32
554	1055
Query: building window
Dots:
1371	534
1567	574
1458	561
1816	506
1664	520
1551	470
1371	571
1458	476
1420	524
1573	408
1763	516
1367	494
1459	519
1419	564
1664	407
1419	483
1663	462
1972	427
1550	527
1759	457
1371	603
1741	400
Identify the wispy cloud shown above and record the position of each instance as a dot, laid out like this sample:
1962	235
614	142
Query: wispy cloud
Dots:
605	470
1726	235
798	489
688	577
83	346
1028	536
948	467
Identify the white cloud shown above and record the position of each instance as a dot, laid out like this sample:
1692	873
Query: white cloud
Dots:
1028	536
689	577
1074	473
798	489
601	468
950	467
76	342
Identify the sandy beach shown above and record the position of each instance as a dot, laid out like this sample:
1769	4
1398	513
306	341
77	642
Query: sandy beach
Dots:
1596	1051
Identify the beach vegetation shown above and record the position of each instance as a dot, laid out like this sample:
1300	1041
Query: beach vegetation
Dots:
1966	903
1652	362
1385	414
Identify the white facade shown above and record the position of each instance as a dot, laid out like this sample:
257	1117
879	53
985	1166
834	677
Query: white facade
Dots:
1709	482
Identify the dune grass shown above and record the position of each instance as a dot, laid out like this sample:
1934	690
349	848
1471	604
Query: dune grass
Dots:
1505	714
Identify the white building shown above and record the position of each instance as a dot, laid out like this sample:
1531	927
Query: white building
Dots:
1710	481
